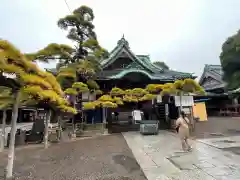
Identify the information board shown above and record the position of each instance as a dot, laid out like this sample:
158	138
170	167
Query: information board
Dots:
186	101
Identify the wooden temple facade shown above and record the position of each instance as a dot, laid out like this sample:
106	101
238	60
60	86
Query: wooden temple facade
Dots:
126	70
218	96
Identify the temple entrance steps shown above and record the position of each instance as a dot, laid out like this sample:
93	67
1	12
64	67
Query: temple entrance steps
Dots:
124	122
161	116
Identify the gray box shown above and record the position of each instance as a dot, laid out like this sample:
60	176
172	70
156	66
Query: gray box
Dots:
149	127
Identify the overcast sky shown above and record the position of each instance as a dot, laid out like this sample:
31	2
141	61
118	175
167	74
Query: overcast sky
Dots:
186	34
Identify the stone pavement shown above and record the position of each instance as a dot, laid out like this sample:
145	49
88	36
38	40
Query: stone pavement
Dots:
100	158
161	158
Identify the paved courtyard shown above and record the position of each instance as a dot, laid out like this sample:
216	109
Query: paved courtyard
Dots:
161	158
215	156
217	127
101	158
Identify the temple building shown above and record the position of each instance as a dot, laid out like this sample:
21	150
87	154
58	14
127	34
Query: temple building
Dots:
211	80
124	69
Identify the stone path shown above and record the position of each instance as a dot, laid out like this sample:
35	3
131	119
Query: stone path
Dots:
161	158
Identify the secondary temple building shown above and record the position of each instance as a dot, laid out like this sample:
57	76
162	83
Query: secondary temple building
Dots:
219	102
211	79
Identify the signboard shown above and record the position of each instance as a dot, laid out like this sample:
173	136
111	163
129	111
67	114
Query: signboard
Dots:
9	75
186	110
186	101
166	109
85	96
92	97
159	99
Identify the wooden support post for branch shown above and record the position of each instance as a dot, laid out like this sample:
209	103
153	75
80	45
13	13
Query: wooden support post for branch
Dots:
9	169
104	130
3	130
48	117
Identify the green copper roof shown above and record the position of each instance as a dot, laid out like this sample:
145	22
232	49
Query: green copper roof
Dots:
140	64
150	76
134	65
123	47
166	75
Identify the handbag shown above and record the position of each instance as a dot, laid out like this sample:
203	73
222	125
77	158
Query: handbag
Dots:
177	128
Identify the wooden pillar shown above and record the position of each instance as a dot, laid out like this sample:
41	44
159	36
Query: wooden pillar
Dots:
235	101
20	113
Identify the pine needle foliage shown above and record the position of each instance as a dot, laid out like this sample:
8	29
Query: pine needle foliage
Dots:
39	85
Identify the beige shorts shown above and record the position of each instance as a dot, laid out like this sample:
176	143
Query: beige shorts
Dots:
183	133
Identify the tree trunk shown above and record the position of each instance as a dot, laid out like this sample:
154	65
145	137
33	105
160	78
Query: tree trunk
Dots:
166	115
3	130
9	168
48	116
83	120
192	121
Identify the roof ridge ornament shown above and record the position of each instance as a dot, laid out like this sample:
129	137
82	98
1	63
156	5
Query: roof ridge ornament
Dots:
123	41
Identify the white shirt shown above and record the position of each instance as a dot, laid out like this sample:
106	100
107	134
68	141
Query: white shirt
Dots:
137	115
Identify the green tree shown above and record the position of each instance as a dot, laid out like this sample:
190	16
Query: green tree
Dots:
81	62
182	87
78	64
28	81
229	57
187	87
161	64
81	30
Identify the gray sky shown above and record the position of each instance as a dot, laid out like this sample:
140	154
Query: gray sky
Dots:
186	34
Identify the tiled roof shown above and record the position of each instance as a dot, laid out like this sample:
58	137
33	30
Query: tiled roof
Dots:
143	61
167	75
108	73
216	73
123	46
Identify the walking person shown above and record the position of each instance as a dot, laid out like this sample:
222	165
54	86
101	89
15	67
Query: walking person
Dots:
182	127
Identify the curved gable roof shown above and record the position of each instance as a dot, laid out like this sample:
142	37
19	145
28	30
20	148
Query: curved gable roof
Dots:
214	71
123	46
214	75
